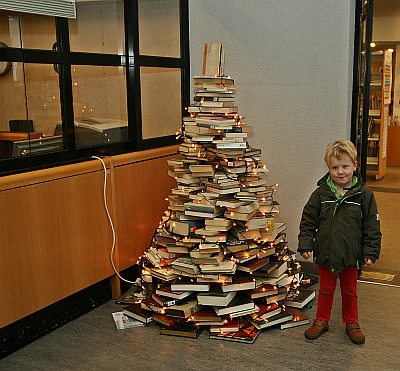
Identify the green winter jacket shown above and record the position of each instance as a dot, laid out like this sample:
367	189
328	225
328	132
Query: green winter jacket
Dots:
341	231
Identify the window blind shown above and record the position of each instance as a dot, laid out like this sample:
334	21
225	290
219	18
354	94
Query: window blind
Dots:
55	8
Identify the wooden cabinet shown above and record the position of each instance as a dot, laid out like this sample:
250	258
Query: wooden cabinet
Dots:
379	100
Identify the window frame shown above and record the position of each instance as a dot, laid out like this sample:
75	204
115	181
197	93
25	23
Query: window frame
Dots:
132	60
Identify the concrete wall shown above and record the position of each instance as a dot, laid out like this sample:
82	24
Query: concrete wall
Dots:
292	63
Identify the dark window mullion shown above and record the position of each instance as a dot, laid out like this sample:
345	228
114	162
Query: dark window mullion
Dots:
11	54
135	110
67	105
95	59
184	18
152	61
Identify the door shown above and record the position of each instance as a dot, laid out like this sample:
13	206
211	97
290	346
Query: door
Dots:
361	80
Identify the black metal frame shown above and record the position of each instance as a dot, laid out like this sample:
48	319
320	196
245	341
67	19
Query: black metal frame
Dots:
364	13
64	58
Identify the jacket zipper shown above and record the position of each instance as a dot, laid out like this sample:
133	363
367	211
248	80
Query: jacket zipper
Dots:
339	202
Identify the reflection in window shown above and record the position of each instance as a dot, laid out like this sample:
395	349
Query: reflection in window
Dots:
98	27
31	94
161	101
159	28
100	108
30	31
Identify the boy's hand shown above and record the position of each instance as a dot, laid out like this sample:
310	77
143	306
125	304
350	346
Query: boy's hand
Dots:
368	261
306	255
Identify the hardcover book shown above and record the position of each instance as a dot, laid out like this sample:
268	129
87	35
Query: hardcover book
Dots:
215	297
272	321
239	303
137	312
299	318
246	334
302	299
182	329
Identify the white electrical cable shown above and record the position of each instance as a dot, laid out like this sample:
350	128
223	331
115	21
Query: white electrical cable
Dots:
110	220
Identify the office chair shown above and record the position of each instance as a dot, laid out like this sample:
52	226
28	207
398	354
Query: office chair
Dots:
21	126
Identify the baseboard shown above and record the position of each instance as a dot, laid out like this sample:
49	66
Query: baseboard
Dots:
30	328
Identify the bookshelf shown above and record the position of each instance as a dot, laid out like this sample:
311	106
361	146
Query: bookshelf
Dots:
379	100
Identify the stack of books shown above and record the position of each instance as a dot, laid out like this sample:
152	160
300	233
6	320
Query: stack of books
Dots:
219	257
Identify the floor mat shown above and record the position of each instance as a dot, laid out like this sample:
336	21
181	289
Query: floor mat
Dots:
377	276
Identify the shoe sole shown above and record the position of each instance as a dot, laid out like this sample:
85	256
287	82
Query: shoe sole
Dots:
317	336
358	342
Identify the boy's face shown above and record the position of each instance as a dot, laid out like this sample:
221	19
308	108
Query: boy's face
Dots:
342	170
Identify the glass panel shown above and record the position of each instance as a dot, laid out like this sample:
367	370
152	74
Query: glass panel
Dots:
98	27
159	28
27	30
161	101
100	108
31	94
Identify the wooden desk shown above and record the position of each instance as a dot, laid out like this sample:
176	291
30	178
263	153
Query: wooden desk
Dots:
13	137
7	138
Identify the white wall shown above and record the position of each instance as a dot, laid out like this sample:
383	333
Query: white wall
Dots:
292	63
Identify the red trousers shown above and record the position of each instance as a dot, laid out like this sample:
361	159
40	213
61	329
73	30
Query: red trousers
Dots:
348	288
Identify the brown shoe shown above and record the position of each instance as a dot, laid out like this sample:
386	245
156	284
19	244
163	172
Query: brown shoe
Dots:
354	332
316	330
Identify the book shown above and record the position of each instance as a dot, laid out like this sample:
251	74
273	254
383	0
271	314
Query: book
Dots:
272	321
279	270
185	264
189	285
182	329
299	318
168	292
263	291
253	265
182	310
239	303
123	321
281	295
244	312
206	314
137	312
216	297
239	284
247	334
301	300
226	266
230	325
167	302
213	60
164	320
266	311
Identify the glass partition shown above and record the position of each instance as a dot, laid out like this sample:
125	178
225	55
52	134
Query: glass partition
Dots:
159	28
98	27
161	101
30	92
100	105
30	31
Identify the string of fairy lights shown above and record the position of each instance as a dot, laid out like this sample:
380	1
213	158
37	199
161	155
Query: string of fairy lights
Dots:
220	162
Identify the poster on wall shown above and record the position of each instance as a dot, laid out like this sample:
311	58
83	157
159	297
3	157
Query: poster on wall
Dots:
387	77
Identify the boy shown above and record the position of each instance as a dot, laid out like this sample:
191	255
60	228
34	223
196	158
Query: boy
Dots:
340	226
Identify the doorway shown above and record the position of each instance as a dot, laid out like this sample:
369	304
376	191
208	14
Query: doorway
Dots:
376	126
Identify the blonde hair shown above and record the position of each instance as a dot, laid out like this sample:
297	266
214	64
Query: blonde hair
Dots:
338	149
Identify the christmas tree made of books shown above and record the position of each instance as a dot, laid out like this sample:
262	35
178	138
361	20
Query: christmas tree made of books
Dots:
219	259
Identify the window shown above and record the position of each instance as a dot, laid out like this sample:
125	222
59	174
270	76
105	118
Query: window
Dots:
98	84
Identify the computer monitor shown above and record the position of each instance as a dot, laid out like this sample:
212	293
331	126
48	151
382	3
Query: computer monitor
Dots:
36	146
